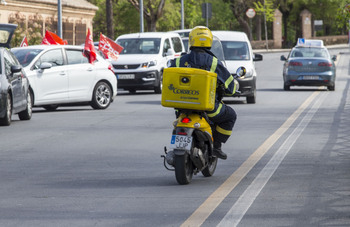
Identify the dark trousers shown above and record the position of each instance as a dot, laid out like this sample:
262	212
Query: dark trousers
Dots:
223	122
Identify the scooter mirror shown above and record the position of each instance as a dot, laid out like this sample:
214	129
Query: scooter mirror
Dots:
241	71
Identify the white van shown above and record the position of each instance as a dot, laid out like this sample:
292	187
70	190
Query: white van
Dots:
238	52
140	65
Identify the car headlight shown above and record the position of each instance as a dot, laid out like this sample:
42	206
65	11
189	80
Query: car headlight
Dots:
148	64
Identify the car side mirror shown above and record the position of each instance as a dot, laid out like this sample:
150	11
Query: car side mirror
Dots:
334	57
258	57
45	65
283	58
170	52
16	68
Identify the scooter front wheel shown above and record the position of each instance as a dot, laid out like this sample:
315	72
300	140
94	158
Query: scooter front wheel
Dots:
183	168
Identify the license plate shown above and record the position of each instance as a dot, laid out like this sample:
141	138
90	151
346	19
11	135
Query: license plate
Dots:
310	77
126	76
180	142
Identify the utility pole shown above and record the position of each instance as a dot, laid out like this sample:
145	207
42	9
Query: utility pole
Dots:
141	16
182	15
59	15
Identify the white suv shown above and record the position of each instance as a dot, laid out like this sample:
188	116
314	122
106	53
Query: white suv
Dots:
140	65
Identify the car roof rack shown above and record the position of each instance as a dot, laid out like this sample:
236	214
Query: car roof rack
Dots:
309	42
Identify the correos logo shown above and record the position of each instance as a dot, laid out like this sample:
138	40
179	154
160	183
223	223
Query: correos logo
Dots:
182	91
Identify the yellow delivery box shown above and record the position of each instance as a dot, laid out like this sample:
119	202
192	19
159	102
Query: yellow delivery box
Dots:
189	88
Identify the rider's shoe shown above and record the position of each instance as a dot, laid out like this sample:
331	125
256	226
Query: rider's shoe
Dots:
219	153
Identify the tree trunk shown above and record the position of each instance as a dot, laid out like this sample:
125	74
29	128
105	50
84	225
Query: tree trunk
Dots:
266	38
258	27
285	8
238	9
109	19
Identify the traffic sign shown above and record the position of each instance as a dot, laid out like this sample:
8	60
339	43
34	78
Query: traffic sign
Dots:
250	13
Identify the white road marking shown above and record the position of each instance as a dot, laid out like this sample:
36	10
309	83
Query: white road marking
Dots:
213	201
239	209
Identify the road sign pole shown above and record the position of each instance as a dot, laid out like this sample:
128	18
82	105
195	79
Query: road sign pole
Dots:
207	14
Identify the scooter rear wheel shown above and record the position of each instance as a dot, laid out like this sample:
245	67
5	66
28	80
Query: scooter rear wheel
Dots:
183	168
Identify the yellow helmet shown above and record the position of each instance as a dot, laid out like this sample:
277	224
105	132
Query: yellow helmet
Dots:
200	36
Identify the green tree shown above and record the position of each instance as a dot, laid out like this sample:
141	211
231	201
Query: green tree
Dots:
343	16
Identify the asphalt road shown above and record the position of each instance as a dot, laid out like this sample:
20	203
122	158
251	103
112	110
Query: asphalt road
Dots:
288	162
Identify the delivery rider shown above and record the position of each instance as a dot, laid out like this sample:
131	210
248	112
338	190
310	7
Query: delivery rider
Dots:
200	56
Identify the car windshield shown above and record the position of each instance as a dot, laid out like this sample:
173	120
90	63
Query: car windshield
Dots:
309	52
140	45
185	42
216	49
234	50
4	36
25	55
184	34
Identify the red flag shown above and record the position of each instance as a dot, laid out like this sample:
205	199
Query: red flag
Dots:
51	38
109	47
89	49
24	42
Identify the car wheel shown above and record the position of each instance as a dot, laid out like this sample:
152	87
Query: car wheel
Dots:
6	120
27	113
252	99
158	88
101	97
286	87
50	107
331	88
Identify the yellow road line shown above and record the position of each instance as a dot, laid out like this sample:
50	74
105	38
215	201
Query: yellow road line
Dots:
213	201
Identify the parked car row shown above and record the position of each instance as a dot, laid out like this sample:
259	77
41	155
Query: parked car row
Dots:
49	76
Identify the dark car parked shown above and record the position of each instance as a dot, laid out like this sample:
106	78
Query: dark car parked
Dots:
15	96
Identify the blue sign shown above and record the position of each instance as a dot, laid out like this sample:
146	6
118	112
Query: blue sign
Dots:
301	41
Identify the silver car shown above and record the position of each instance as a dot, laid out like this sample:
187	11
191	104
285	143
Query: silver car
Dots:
309	64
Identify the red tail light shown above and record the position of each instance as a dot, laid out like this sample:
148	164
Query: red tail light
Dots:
295	63
329	64
186	120
182	133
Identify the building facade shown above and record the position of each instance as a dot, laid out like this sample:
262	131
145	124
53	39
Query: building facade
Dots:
34	17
